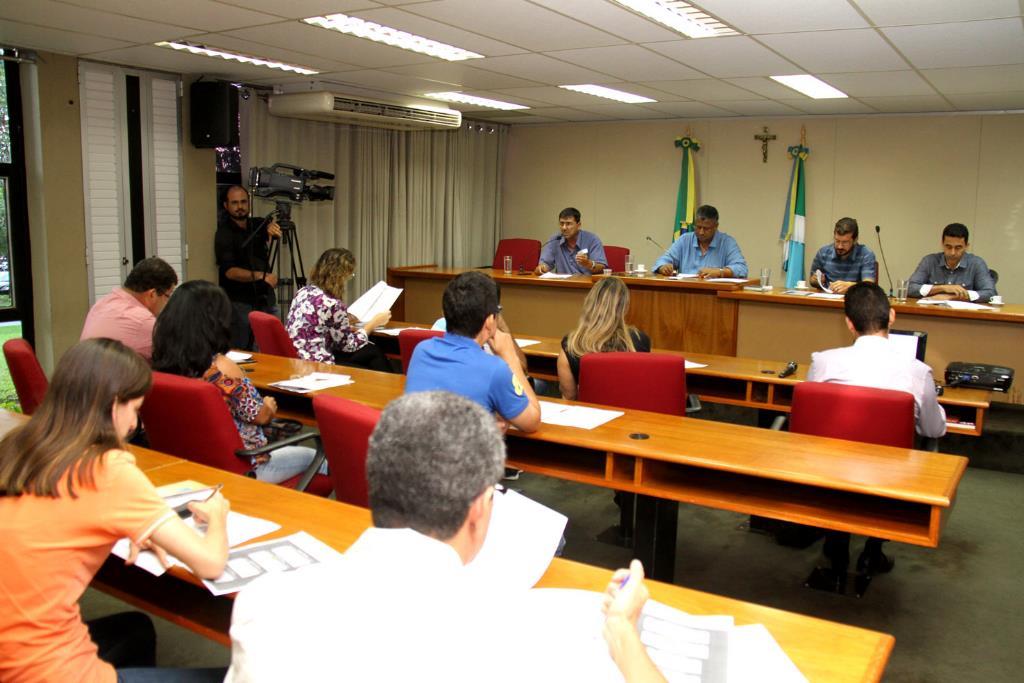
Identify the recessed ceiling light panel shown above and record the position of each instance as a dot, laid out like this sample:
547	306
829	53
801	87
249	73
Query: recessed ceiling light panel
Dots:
463	98
608	93
391	36
236	57
681	17
810	86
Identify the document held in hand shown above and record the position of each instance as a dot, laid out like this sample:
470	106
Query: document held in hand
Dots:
377	299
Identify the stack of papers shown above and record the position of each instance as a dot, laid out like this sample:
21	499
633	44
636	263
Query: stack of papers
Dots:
395	331
575	416
551	275
377	299
726	279
314	381
684	276
825	295
249	563
957	305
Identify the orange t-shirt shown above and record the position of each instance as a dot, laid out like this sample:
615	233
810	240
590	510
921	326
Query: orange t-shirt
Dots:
50	550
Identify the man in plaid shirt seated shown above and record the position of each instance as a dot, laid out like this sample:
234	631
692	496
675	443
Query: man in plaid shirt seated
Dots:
845	262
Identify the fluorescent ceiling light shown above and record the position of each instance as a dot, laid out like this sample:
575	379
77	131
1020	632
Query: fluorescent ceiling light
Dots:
236	57
681	17
391	36
473	99
810	86
609	93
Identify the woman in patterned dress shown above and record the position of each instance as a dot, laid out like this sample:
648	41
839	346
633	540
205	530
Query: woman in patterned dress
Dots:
319	322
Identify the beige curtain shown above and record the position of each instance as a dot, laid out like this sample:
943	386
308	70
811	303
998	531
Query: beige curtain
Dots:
401	198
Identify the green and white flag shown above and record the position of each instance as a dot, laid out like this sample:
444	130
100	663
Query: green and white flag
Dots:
686	200
794	218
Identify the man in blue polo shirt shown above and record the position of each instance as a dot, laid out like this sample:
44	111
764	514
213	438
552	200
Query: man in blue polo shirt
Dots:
840	265
705	252
573	251
457	363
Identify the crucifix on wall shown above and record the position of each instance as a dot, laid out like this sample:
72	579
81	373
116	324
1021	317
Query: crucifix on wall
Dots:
764	137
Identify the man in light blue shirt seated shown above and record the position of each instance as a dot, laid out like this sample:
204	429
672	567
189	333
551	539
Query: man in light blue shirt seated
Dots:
704	252
840	265
457	362
574	251
953	273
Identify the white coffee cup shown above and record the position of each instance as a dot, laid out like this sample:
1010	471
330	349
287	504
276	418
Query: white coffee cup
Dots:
801	284
997	300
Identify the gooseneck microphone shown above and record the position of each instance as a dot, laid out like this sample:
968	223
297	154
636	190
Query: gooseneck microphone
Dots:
652	241
878	232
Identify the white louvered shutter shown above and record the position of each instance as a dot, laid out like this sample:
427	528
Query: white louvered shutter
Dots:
164	212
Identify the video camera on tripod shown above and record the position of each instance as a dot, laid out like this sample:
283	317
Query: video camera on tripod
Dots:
287	184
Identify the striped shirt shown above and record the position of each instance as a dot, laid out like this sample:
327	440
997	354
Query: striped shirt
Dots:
856	266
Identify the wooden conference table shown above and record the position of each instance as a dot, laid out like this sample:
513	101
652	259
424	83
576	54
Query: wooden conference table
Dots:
892	493
747	382
822	650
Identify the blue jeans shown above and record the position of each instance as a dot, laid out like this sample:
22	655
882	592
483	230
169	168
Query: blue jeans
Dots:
287	462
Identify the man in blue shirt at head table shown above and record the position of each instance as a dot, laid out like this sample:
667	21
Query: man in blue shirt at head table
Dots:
953	273
704	251
457	363
574	251
840	265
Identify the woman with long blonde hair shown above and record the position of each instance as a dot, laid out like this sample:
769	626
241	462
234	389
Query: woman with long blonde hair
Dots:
602	327
319	322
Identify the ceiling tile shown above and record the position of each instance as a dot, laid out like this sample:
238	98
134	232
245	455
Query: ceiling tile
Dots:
908	104
628	62
548	95
889	13
248	47
725	57
201	15
300	9
541	68
410	85
978	79
612	18
463	74
566	114
513	117
830	51
689	109
647	91
705	89
149	56
505	97
330	44
54	40
428	28
988	102
836	106
782	17
515	21
621	111
84	20
880	84
765	87
977	43
758	108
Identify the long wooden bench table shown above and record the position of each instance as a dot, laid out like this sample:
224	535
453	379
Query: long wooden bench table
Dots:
892	493
747	382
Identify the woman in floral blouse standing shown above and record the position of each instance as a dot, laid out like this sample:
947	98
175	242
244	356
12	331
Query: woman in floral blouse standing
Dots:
320	325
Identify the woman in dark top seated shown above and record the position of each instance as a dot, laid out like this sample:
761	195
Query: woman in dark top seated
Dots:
602	327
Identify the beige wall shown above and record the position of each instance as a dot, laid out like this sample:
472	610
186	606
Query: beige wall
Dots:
910	174
57	204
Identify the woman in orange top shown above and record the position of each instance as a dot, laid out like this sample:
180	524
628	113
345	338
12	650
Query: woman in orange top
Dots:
68	491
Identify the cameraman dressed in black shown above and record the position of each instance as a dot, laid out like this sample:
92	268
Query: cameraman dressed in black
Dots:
243	263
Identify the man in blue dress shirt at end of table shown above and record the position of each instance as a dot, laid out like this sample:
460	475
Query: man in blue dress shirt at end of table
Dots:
574	251
953	273
840	265
704	251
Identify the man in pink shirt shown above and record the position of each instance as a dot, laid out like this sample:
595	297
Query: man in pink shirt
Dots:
128	313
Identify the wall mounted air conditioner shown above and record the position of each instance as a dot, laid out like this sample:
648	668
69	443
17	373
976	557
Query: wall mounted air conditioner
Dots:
340	108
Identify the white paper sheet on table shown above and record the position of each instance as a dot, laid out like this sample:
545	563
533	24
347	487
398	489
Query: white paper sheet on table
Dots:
314	381
238	356
957	305
241	529
550	275
684	276
582	417
825	295
395	331
521	541
249	563
754	655
726	279
523	343
377	299
690	365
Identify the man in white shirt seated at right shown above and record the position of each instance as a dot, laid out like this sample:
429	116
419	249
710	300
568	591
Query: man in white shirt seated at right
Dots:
873	361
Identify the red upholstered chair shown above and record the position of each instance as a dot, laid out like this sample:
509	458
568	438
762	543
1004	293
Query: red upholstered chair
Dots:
525	253
866	414
616	257
29	379
345	427
271	337
409	339
188	418
639	381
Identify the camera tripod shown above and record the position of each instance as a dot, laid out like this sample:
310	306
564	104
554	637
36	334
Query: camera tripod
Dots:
296	276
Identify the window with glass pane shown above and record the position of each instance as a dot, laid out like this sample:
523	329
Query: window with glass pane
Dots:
5	119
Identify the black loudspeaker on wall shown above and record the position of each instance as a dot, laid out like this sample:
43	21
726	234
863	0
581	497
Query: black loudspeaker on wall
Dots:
214	114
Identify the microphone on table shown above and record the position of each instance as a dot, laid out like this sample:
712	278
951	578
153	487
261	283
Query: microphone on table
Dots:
878	232
651	240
